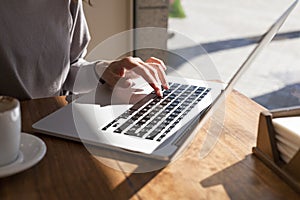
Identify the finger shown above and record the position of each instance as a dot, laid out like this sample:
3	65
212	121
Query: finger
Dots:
124	83
162	75
143	70
118	69
110	78
157	61
113	73
114	80
153	70
161	67
151	76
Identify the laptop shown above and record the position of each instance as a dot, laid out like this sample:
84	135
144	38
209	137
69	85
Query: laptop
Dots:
148	126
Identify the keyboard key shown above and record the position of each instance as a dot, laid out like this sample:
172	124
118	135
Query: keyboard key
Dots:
118	130
142	102
108	125
153	134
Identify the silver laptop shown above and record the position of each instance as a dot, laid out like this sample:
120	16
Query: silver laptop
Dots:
152	126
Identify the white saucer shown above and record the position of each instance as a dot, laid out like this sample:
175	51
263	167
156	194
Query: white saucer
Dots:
32	150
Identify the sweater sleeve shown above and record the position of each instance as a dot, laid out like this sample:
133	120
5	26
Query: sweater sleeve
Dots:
81	74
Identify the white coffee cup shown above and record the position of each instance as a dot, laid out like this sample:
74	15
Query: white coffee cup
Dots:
10	129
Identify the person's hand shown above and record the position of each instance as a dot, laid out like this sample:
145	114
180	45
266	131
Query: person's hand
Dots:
124	70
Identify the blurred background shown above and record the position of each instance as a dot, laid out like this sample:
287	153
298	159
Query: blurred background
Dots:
228	30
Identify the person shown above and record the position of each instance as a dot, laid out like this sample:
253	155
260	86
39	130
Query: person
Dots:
42	49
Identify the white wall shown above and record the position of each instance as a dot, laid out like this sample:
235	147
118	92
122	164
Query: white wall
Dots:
106	18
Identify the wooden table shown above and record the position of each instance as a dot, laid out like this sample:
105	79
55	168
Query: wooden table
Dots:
69	171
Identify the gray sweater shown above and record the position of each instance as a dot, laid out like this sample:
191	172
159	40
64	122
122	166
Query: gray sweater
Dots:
42	45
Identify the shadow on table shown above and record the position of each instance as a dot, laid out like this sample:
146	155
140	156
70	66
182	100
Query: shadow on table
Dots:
285	97
249	179
136	182
137	170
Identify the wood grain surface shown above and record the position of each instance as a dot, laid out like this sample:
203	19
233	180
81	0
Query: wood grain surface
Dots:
227	171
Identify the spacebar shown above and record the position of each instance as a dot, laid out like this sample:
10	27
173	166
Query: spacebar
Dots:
143	101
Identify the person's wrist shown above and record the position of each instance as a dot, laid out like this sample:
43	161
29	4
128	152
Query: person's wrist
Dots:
99	69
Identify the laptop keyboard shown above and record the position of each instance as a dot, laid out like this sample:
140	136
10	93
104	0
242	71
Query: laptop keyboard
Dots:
154	117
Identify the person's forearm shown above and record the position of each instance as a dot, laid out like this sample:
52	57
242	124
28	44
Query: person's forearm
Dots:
82	77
